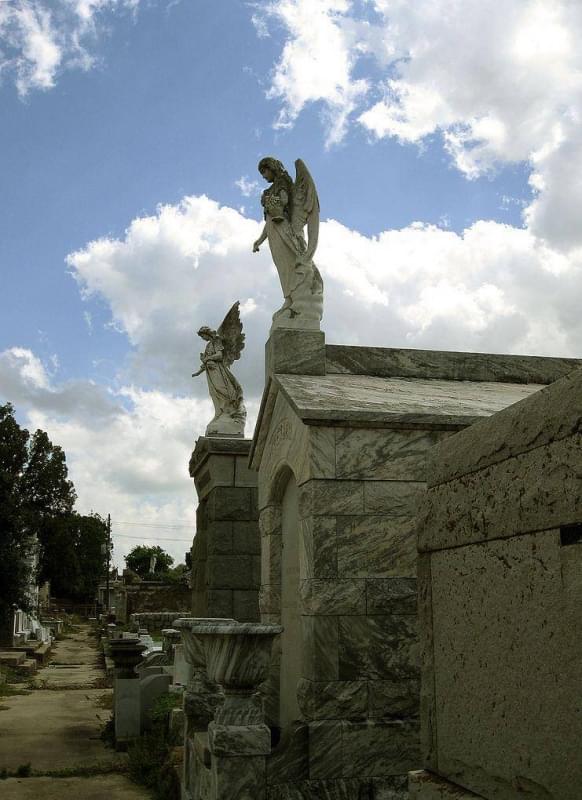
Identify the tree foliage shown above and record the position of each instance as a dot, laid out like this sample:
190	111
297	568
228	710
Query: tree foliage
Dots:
37	500
139	560
13	538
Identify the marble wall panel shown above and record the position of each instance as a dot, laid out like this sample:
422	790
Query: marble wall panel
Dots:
320	648
445	365
377	748
391	596
270	598
318	548
325	749
333	597
321	451
309	451
289	760
534	491
428	714
295	352
380	454
393	498
234	778
239	740
270	520
333	700
331	498
369	546
271	552
378	648
396	698
339	789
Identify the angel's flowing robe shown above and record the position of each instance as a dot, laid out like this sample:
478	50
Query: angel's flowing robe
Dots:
225	390
287	248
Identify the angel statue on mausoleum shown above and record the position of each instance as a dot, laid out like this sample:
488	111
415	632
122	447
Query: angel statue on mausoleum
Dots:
223	349
288	208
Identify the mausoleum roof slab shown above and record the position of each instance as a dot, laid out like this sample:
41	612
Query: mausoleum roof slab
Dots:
403	402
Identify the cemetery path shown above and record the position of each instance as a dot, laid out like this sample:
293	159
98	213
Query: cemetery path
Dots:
56	728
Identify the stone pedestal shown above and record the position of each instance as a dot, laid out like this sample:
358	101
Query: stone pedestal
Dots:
238	658
127	709
126	654
201	698
226	550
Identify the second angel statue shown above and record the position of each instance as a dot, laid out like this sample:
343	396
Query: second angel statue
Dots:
289	207
223	348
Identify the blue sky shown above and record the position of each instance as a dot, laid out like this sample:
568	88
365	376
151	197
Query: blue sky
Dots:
443	147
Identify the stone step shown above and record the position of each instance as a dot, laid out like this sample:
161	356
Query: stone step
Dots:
40	651
28	668
12	658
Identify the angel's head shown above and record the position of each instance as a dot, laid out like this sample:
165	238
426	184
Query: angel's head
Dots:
206	333
271	169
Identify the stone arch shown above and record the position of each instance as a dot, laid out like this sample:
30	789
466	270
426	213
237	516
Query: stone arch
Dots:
280	592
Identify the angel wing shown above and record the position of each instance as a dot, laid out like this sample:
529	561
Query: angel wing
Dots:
305	207
230	332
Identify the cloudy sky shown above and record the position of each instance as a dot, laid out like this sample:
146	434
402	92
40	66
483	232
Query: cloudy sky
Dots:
445	140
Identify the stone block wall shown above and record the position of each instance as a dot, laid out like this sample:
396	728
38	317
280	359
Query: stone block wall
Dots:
150	597
501	589
358	493
226	550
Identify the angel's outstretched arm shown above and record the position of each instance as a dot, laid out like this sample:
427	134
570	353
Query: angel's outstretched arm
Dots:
260	240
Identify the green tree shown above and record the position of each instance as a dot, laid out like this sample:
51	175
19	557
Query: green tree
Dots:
139	560
91	553
37	501
49	498
13	535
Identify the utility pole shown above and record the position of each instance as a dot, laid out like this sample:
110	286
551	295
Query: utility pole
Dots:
108	564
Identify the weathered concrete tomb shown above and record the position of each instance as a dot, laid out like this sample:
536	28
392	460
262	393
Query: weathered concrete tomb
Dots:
500	575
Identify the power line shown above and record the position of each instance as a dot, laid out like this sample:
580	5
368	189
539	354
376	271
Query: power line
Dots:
151	525
147	538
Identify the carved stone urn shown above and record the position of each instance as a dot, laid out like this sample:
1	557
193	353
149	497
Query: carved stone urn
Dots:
126	654
238	657
202	695
190	627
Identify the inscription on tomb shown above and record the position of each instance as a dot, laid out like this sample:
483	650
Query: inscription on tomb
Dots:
281	433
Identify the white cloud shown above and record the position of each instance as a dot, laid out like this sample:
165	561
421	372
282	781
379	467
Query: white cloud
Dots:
501	82
316	63
41	38
247	187
420	286
492	288
127	450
